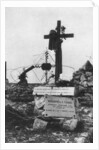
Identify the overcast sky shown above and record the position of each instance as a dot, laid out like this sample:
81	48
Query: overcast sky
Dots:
26	27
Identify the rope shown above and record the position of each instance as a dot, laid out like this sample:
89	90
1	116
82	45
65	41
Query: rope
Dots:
18	68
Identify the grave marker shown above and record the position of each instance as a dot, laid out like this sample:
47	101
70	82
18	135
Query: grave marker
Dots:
56	106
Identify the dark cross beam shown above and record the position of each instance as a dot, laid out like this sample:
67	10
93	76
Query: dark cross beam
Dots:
58	50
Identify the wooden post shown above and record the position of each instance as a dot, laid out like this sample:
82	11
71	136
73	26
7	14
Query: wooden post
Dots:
5	70
58	59
46	60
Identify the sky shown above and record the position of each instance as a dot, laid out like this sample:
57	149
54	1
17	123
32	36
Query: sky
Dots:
24	37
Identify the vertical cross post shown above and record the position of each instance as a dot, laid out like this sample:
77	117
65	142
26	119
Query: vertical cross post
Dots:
46	61
5	70
58	27
58	58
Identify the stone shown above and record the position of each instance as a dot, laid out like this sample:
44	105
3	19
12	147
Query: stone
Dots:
89	96
90	83
39	124
90	78
90	135
80	140
84	134
85	98
90	115
88	66
88	74
31	139
39	101
81	89
29	129
82	78
8	102
70	124
55	134
77	77
86	110
73	124
84	83
37	111
65	140
82	108
76	103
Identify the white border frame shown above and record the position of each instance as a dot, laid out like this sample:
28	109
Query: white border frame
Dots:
90	146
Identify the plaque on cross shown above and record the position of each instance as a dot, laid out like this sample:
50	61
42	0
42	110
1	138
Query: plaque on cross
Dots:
55	40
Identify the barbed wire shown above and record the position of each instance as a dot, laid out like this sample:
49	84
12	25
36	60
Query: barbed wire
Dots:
69	67
39	58
36	76
18	68
13	77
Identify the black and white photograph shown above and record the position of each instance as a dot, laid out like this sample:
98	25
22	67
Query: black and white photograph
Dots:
48	74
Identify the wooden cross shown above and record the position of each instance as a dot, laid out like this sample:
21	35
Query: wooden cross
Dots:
56	37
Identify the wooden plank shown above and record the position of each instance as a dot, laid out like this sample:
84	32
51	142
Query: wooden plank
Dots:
65	91
46	36
66	35
59	107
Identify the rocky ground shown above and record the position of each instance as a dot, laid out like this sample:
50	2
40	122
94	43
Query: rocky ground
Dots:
22	123
19	130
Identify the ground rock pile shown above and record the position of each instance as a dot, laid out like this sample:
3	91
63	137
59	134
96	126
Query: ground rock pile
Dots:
83	81
24	120
19	93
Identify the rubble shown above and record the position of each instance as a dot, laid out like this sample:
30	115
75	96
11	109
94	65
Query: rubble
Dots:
83	137
38	112
70	124
83	81
39	124
80	140
84	134
39	101
19	93
23	114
